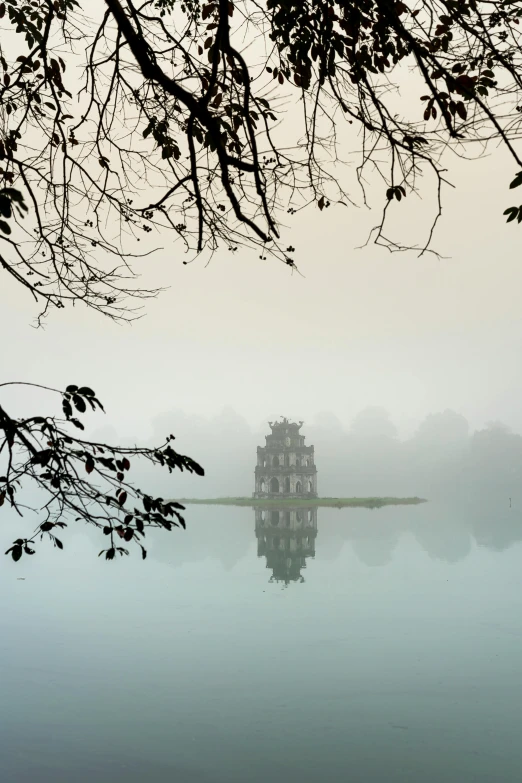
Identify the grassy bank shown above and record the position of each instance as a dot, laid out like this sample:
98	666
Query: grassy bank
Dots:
304	502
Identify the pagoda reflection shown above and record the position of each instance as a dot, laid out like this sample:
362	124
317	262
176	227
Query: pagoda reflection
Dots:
286	538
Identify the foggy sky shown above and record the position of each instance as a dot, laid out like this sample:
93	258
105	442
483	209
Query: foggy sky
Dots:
355	328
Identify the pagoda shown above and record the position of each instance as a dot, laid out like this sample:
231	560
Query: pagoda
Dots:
285	466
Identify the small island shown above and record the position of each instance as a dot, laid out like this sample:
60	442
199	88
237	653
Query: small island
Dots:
294	502
286	478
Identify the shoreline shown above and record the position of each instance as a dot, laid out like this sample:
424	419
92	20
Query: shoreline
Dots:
372	502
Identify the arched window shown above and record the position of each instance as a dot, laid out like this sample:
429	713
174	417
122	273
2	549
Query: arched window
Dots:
310	487
287	518
275	462
287	484
262	485
274	518
297	462
287	460
298	487
274	485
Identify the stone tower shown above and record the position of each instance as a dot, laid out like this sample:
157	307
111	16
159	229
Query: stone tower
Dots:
285	466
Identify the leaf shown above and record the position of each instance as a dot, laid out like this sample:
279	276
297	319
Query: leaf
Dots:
512	212
66	406
46	526
58	543
320	203
86	391
5	227
77	423
207	10
517	181
129	534
461	110
107	463
109	555
42	457
79	403
122	499
125	463
16	553
89	464
5	206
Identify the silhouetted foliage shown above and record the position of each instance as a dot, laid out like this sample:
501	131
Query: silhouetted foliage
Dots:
81	479
123	118
119	119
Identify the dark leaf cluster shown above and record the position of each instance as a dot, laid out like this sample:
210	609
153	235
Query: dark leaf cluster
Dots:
79	480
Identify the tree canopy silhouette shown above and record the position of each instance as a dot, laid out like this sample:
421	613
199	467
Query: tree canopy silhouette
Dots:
122	118
214	121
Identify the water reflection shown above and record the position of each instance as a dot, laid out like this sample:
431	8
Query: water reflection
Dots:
286	538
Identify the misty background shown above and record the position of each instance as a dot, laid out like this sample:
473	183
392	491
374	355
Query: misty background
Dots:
405	369
443	459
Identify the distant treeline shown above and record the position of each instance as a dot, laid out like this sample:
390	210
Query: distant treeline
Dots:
443	459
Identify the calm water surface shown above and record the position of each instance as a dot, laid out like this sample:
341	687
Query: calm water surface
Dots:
397	658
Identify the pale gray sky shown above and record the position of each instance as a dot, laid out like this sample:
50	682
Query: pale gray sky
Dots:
360	327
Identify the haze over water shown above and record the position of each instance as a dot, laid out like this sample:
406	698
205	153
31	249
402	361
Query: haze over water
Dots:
396	659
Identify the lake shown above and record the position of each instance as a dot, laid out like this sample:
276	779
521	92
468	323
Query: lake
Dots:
386	647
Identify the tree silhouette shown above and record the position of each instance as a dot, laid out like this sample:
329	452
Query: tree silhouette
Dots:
81	479
177	122
123	119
